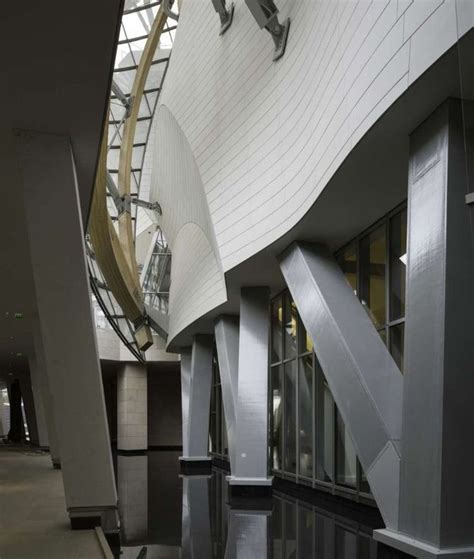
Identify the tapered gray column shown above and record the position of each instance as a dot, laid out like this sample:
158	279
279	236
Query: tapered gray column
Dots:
363	378
227	343
196	427
185	391
132	407
436	489
251	461
56	237
39	373
196	542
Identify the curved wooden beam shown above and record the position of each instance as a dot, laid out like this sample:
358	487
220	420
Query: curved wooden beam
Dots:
115	253
126	148
108	250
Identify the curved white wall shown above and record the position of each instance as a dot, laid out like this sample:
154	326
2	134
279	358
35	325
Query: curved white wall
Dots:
267	137
197	278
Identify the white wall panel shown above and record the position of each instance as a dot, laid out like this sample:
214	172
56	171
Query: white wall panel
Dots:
197	278
267	137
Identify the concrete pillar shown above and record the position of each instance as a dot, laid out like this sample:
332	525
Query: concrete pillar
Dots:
251	447
436	491
196	407
132	482
132	407
185	390
227	344
196	541
40	376
56	237
29	408
41	423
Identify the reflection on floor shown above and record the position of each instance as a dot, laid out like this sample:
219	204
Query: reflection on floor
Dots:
34	523
190	517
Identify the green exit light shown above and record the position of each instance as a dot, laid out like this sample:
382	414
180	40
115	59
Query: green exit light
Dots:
18	315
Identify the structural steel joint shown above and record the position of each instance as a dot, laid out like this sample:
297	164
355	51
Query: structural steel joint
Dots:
266	15
225	15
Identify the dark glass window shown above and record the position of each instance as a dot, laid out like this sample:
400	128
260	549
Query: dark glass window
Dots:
217	426
397	335
304	339
325	428
306	415
290	327
277	330
348	262
277	411
398	260
346	458
373	253
289	415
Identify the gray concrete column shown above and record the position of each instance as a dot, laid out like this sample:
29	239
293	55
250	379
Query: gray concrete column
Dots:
132	482
185	390
132	407
363	378
196	426
251	447
436	489
227	343
56	237
196	542
41	423
40	375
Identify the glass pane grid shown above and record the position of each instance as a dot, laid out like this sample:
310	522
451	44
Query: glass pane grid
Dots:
326	456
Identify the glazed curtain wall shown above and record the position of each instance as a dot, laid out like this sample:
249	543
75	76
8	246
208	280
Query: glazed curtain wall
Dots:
309	442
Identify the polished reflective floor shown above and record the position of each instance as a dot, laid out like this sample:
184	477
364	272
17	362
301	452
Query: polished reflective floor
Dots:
190	517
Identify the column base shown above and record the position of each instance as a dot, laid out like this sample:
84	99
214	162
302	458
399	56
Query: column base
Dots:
249	487
195	465
131	452
88	518
418	548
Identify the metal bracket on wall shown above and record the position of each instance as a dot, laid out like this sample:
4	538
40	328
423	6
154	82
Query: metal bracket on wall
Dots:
470	198
153	206
225	15
266	15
